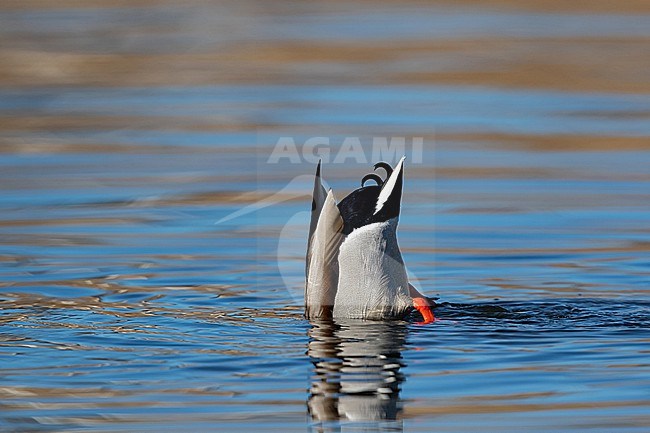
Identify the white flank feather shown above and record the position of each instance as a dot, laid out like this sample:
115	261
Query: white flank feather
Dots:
372	281
322	265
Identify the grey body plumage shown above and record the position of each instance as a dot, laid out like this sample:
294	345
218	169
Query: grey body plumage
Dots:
354	265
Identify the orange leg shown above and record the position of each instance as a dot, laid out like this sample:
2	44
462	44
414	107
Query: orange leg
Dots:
422	305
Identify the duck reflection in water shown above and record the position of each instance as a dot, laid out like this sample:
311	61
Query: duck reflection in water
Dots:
356	374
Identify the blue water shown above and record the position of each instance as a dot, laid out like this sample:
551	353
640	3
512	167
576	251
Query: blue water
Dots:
130	300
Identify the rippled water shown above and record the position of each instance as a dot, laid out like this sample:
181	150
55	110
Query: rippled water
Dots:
131	301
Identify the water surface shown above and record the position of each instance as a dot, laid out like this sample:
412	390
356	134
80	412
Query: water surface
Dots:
127	133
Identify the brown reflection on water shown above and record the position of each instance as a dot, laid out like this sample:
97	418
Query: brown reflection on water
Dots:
507	63
252	48
558	142
491	407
